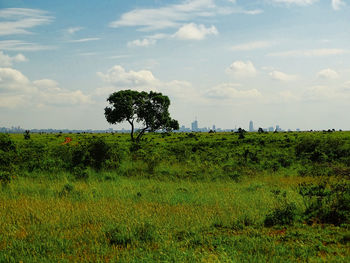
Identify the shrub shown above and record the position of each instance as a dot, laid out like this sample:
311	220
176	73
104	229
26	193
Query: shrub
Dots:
5	177
99	152
327	204
8	153
284	215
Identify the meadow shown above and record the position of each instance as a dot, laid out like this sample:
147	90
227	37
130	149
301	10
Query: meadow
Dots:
183	197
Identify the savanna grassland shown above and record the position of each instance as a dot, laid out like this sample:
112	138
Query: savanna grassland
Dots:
224	197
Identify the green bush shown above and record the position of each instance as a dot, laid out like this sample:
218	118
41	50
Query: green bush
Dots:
327	203
284	215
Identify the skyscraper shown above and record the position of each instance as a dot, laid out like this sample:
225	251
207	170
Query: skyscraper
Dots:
251	127
194	125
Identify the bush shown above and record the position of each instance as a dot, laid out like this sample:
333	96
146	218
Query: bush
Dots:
99	152
5	177
8	153
284	215
327	204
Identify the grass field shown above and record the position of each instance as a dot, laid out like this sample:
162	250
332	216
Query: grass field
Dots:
180	198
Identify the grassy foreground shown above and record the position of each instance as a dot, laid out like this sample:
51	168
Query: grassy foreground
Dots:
175	198
146	220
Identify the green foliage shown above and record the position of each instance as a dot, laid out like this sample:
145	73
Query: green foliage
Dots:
327	203
284	215
150	109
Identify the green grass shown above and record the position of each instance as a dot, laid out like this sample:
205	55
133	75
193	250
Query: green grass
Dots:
136	220
281	197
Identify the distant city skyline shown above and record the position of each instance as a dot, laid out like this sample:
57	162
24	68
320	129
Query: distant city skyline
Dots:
284	62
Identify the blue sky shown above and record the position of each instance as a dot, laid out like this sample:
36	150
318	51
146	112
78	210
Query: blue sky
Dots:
225	62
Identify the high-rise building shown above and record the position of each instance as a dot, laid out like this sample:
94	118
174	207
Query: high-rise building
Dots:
214	127
194	125
251	126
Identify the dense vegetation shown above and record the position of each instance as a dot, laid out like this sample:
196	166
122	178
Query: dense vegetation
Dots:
253	197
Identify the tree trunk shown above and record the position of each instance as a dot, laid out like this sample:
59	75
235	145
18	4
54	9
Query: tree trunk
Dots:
132	130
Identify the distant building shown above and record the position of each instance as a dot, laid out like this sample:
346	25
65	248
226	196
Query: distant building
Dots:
271	129
251	126
194	125
214	127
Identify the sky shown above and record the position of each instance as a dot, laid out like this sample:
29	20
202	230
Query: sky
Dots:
224	62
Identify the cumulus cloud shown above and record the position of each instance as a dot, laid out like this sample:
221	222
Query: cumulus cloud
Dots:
328	74
337	4
242	69
12	80
193	31
117	78
251	46
15	21
323	52
17	90
231	91
7	61
278	75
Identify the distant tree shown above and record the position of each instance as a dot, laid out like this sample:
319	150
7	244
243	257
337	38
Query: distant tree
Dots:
150	109
27	134
261	130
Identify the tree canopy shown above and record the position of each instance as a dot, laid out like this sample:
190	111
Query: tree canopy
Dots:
149	109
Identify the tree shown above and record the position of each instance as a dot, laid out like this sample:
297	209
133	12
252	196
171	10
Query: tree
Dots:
150	109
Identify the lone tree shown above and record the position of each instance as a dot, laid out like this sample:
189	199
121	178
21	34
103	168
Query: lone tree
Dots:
150	109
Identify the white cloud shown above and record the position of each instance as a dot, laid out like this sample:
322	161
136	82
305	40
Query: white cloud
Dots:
146	42
18	45
18	91
7	61
337	4
242	69
310	53
278	75
165	17
12	80
195	32
174	15
84	40
73	30
231	91
252	46
117	78
295	2
17	21
328	74
45	83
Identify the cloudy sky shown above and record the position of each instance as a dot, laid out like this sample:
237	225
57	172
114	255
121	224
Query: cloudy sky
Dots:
225	62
